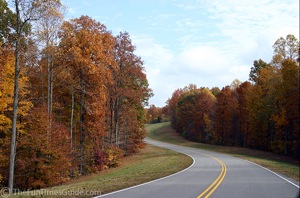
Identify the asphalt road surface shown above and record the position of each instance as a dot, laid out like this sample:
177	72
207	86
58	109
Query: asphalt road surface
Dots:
213	175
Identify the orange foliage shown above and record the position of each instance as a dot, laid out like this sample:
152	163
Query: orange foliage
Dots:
43	159
263	115
89	69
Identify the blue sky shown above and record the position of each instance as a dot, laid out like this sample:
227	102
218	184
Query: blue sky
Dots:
205	42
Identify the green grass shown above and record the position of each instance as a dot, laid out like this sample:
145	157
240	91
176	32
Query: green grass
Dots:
149	164
153	162
277	163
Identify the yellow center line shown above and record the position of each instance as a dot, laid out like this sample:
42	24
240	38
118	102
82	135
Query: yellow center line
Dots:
208	191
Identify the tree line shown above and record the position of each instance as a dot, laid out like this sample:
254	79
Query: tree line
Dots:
157	114
72	95
262	113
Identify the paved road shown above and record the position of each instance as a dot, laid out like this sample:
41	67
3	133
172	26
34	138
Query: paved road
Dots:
213	175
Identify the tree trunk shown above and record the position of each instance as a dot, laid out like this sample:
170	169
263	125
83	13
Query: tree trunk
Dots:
48	93
50	63
117	122
111	120
71	121
42	81
14	123
15	102
81	121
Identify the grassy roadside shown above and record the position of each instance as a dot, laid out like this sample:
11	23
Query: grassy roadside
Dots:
277	163
149	164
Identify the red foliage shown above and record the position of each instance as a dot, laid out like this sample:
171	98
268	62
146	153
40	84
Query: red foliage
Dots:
42	153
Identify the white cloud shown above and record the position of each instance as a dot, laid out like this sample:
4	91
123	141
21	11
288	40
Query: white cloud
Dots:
202	65
205	42
208	66
241	32
205	60
158	59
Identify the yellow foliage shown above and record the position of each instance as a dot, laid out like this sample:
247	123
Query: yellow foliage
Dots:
6	88
113	156
7	64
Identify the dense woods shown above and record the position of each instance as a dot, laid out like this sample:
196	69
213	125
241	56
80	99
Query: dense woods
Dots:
72	95
262	113
72	98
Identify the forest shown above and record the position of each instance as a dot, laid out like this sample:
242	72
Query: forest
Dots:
72	95
262	113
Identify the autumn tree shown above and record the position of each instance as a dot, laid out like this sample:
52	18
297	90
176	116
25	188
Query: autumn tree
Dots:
185	123
44	159
128	93
286	102
242	113
157	114
172	105
154	114
7	61
86	48
177	97
75	78
15	31
266	111
193	113
226	116
285	48
25	12
257	65
215	91
47	35
286	116
6	91
261	115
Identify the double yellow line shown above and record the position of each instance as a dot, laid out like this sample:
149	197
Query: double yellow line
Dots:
207	192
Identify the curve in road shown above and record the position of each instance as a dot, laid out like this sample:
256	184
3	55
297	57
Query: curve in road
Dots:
207	192
212	175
